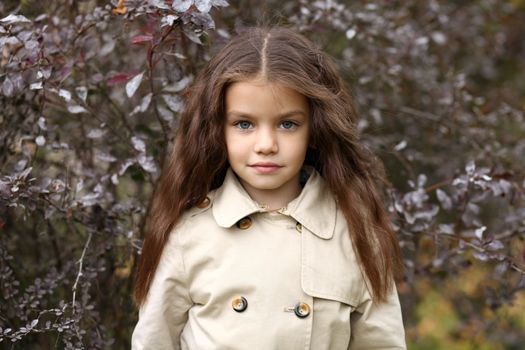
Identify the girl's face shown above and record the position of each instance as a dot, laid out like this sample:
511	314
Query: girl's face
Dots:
266	131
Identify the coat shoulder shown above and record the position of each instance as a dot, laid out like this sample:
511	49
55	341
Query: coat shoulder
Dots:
204	206
195	224
197	215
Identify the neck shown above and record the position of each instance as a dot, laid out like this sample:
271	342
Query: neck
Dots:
276	198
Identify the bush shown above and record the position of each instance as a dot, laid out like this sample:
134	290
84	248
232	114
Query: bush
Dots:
90	98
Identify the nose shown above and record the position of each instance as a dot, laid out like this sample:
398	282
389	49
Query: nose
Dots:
266	141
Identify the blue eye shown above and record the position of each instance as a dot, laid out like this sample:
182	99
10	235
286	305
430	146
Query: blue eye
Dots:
243	124
288	124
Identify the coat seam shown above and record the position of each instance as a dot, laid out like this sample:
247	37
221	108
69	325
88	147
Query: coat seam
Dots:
180	244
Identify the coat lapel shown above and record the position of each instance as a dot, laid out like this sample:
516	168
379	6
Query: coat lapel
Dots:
314	208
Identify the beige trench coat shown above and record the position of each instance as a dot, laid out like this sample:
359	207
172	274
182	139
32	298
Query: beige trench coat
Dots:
234	276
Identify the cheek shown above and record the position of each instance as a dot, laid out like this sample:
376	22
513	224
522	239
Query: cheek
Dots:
236	146
233	140
300	143
229	140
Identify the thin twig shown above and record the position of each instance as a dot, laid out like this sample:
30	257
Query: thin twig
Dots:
421	114
81	261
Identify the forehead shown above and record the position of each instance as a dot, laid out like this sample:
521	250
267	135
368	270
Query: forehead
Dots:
259	97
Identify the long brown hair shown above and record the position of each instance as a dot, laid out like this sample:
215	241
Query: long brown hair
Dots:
198	159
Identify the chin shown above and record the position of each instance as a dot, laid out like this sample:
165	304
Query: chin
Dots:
264	185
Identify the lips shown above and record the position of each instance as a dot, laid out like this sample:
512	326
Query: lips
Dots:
265	167
265	164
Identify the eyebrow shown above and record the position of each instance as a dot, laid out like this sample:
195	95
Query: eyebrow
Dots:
283	115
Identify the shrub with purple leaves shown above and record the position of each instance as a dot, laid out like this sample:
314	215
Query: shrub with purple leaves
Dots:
90	93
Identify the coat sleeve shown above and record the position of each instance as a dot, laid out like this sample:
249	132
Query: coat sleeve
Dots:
377	326
165	311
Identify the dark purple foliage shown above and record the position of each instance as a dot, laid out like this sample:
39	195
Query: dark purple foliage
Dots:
89	98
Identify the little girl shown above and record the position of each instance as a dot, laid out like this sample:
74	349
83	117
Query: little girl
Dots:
266	229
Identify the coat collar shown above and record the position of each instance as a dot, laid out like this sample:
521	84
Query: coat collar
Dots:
314	208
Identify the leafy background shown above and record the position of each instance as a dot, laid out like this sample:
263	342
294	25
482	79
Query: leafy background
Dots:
90	92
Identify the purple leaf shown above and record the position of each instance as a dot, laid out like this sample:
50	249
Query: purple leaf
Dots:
134	84
182	5
479	232
120	78
444	199
7	87
140	39
14	19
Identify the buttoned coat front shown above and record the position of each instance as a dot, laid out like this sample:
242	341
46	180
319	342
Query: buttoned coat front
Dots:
236	276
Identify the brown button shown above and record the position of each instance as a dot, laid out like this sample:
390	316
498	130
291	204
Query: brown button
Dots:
204	203
239	304
244	223
302	310
299	227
